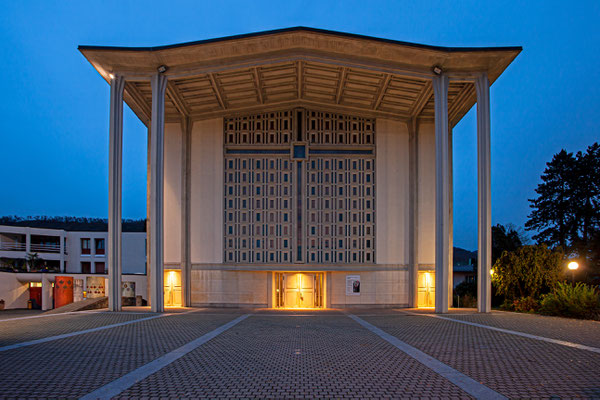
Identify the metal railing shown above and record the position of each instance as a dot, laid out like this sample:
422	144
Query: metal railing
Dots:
13	246
45	248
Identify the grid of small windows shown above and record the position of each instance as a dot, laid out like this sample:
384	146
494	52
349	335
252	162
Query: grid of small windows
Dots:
340	210
258	209
273	128
327	128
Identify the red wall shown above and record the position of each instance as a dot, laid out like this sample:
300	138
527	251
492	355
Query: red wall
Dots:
63	291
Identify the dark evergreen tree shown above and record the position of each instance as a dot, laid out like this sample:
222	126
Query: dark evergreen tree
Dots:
566	212
553	214
505	238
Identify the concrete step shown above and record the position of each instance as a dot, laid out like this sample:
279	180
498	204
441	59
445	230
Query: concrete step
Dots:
87	304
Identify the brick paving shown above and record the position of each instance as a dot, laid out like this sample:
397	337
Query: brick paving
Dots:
571	330
515	366
302	354
24	330
296	357
75	366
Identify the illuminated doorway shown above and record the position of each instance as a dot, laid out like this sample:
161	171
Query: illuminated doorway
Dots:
426	289
299	290
172	290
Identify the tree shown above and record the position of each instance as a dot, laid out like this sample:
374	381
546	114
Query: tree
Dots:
506	238
566	212
553	213
528	272
586	199
33	261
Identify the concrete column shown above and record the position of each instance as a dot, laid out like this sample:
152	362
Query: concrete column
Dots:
442	195
148	174
450	219
484	196
186	170
46	293
157	150
413	213
28	242
62	254
115	167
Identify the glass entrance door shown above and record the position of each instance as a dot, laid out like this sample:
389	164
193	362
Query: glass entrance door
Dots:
426	289
299	290
172	288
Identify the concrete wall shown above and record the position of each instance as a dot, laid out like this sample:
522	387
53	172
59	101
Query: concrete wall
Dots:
392	192
206	198
134	253
172	193
14	293
230	288
378	288
426	187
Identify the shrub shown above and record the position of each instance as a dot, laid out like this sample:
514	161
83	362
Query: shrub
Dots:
507	305
526	304
465	301
575	301
527	272
465	288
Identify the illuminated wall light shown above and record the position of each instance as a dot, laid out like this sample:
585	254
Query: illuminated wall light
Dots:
573	265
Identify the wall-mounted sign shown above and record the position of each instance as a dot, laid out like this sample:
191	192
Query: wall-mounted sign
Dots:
352	285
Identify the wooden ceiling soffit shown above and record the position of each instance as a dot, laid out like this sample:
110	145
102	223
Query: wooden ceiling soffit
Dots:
424	97
258	85
217	90
462	103
137	102
300	79
177	100
381	92
287	104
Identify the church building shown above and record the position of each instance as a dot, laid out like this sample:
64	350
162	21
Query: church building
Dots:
300	168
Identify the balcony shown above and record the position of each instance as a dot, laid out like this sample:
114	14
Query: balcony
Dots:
12	246
45	248
12	242
44	244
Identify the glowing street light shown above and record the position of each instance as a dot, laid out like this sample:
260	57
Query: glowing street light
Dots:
573	265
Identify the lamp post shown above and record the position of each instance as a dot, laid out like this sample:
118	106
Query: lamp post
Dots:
573	265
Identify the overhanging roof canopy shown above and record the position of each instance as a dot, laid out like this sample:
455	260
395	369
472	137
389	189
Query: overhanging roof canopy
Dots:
299	67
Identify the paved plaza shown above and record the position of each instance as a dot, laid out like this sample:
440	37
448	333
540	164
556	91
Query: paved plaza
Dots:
249	353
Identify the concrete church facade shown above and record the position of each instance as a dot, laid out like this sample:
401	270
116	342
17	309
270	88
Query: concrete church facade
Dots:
300	168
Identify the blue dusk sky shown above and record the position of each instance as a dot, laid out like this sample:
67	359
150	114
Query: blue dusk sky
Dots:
54	105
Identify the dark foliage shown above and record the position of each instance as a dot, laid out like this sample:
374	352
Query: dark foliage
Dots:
566	212
72	223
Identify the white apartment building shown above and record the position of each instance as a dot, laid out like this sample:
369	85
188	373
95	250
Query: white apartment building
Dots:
32	257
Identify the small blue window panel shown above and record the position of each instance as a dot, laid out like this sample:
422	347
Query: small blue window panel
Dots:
299	151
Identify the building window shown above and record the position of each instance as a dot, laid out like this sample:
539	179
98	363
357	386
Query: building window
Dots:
86	267
85	246
100	267
99	246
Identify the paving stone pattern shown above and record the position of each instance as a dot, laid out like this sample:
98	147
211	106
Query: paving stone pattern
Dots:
75	366
571	330
296	357
24	330
515	366
301	354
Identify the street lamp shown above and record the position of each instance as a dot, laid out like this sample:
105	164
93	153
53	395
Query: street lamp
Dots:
573	265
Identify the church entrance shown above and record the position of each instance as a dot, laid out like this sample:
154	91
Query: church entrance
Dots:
299	290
